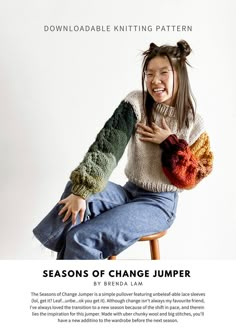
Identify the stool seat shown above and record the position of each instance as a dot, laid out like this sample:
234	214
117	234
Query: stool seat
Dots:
153	242
153	236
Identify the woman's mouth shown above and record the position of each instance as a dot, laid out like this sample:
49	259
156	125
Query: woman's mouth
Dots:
158	91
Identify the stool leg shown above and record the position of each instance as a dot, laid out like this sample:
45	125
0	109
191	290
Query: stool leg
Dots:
154	248
112	257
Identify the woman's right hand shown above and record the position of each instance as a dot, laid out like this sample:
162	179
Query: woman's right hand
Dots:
73	205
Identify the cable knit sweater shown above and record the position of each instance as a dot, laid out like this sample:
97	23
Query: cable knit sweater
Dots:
180	162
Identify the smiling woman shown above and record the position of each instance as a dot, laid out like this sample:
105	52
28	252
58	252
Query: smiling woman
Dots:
168	151
160	81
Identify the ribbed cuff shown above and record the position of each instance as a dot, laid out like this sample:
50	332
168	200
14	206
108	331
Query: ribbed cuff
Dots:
81	191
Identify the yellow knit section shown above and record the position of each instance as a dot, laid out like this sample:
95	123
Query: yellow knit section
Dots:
201	150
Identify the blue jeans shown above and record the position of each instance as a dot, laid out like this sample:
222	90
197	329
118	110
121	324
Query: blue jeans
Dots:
115	219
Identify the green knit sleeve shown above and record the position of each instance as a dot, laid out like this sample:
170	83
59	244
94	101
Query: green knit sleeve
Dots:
103	155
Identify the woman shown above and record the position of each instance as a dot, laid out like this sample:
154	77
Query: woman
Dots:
168	150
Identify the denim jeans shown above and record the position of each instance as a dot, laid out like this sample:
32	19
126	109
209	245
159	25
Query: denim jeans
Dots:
115	219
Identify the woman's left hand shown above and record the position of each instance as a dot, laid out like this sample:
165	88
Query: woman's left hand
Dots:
154	134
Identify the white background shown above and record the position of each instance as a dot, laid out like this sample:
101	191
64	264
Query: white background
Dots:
58	89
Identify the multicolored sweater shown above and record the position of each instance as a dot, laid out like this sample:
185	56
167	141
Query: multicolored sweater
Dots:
179	162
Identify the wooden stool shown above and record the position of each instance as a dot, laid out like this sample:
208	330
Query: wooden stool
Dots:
154	245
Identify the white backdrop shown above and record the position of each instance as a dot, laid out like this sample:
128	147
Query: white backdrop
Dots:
58	89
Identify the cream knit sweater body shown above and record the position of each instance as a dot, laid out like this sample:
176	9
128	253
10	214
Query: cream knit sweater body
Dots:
144	166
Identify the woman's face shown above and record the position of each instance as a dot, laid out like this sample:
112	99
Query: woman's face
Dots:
160	80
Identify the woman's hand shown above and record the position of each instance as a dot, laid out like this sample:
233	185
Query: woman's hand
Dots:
73	205
154	134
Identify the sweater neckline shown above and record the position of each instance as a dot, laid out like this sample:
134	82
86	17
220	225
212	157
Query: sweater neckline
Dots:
165	109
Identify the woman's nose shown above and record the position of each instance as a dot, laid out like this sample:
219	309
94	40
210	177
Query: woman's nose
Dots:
156	78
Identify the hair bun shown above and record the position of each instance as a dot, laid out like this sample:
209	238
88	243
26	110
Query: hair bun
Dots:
184	48
152	46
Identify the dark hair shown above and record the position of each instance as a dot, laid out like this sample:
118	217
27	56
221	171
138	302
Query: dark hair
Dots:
184	99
